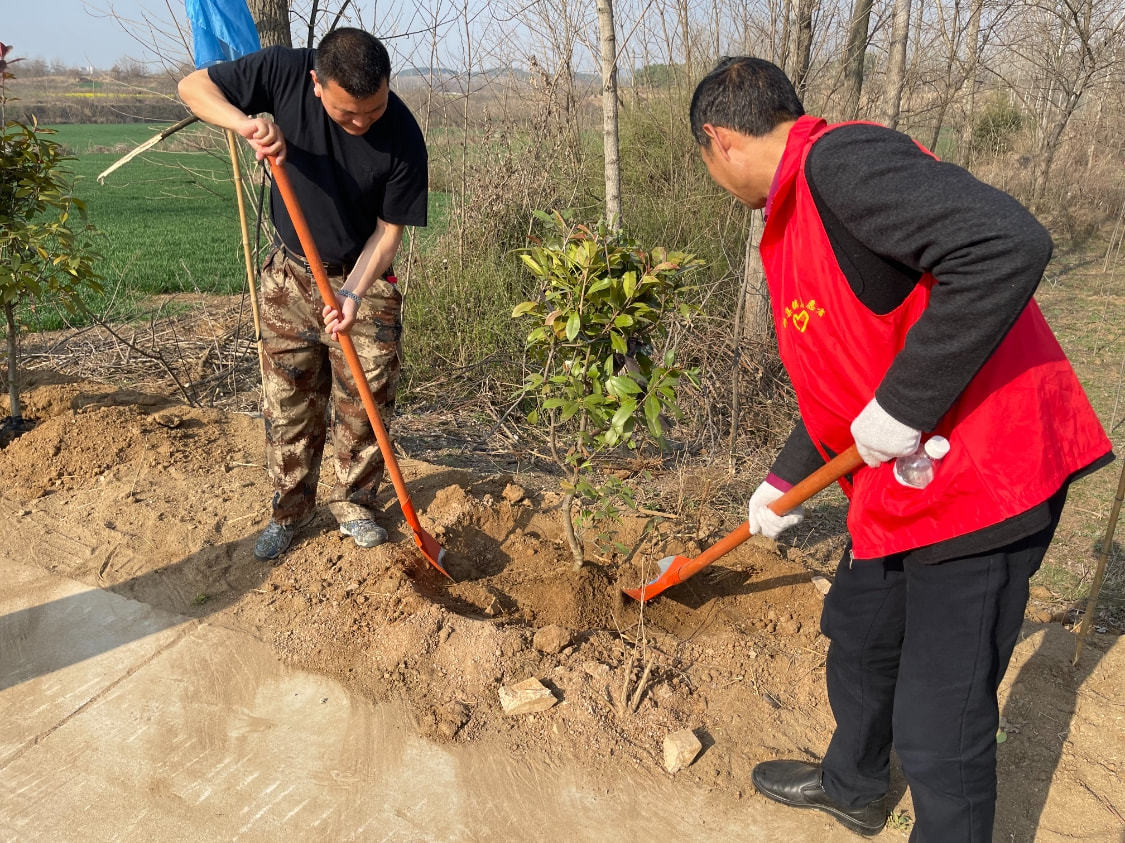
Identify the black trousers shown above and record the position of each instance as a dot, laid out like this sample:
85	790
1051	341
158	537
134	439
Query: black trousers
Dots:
916	656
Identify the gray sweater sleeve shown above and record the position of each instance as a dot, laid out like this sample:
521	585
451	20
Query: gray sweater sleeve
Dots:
985	250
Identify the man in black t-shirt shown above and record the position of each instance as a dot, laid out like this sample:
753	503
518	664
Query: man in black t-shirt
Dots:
358	164
901	289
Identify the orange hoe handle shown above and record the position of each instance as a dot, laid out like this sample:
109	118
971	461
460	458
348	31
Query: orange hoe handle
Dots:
426	543
679	568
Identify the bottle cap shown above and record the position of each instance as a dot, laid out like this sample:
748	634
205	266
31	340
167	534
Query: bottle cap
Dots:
936	447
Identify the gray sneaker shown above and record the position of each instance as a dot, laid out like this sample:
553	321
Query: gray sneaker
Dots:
365	532
274	540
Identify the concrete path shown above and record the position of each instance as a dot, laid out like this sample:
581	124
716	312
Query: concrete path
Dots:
122	722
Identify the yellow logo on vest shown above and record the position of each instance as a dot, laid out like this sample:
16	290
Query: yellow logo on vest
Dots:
799	313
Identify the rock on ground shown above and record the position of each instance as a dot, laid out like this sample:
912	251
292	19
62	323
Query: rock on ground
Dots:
680	749
551	639
526	697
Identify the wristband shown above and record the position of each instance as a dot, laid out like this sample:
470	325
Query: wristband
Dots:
348	294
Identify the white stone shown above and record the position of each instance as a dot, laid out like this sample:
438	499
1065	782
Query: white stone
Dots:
822	585
680	749
526	697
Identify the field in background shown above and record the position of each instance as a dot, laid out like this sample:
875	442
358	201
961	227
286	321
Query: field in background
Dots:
167	220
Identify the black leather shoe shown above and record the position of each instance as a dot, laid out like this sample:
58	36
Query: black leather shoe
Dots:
798	784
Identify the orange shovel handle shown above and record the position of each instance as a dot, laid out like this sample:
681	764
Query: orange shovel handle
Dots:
312	255
843	463
683	568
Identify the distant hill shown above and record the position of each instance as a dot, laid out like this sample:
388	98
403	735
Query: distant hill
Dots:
451	80
450	73
425	72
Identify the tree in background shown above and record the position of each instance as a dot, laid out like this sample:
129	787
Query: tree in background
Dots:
611	138
44	238
272	19
896	65
855	54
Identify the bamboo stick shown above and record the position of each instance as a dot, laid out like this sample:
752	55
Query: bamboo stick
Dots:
251	280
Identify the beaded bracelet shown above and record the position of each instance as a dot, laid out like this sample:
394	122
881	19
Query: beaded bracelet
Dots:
348	294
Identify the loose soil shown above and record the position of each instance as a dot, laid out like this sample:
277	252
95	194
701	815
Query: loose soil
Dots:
135	493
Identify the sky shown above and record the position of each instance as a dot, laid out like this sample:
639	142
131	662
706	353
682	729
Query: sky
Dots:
79	33
85	33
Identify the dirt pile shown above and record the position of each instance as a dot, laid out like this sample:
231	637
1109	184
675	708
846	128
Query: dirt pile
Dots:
162	503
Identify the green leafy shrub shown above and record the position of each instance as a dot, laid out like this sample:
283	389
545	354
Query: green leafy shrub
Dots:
599	381
45	252
996	127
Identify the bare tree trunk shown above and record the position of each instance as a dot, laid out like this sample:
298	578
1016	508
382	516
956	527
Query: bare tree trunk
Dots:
854	55
683	15
465	137
757	319
896	64
972	53
1091	153
803	51
13	365
610	136
567	506
314	11
787	35
272	18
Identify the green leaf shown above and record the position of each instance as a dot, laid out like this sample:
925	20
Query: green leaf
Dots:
623	321
533	417
623	414
652	415
573	325
622	385
524	308
629	283
599	285
535	268
618	342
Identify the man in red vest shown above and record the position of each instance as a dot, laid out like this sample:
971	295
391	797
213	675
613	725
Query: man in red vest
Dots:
901	289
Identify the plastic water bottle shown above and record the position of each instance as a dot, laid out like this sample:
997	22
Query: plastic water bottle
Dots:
917	469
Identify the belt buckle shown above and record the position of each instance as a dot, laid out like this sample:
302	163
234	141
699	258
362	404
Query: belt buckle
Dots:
330	269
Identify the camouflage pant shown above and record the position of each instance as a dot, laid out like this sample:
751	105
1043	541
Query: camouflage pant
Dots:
304	367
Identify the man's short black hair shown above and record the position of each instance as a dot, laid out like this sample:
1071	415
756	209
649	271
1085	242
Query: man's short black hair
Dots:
745	94
355	60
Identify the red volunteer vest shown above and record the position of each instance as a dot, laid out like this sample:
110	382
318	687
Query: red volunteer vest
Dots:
1020	428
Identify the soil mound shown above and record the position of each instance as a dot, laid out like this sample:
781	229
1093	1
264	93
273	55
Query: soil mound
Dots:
162	503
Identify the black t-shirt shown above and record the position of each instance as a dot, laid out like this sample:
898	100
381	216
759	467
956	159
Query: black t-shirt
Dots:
344	183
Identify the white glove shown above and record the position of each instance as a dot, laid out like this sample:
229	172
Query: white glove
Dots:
763	519
880	437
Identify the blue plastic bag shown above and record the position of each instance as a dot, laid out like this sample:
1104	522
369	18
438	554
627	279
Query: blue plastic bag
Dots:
221	30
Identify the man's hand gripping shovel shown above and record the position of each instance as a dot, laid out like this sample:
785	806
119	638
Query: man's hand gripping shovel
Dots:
676	569
433	551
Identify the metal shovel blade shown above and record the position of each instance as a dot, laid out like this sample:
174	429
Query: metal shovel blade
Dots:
430	548
675	569
651	589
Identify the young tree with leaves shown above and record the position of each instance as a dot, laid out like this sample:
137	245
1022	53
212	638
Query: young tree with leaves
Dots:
600	380
45	251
